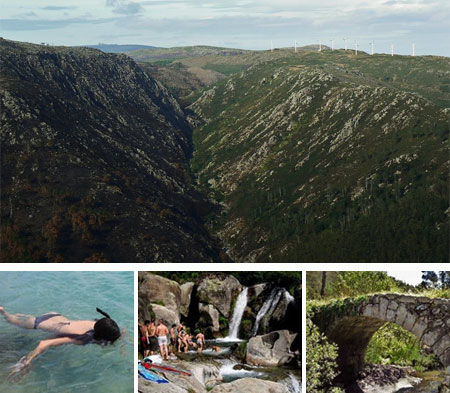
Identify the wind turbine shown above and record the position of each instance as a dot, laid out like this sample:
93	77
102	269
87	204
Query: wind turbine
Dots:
332	46
345	39
295	45
392	49
371	52
320	45
271	45
356	48
413	49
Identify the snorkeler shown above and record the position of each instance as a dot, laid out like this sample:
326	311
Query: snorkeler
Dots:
67	331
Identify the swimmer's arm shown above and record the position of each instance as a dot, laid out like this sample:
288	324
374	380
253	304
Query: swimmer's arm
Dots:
23	365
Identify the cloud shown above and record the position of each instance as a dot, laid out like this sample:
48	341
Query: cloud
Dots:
124	7
57	8
45	24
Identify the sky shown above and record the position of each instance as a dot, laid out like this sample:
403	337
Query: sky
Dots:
411	277
247	24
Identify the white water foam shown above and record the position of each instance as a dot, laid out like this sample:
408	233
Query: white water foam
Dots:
238	312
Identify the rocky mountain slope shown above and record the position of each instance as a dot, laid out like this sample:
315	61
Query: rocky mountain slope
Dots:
94	162
329	157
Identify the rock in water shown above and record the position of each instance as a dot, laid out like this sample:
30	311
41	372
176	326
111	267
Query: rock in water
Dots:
94	162
271	349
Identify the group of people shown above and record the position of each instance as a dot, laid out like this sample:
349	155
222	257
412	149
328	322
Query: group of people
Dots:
158	337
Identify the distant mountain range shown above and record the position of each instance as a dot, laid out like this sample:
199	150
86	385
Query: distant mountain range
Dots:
116	48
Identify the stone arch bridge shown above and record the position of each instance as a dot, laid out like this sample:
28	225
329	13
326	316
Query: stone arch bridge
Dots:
351	323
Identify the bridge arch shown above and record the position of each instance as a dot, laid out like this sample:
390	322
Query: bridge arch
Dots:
351	324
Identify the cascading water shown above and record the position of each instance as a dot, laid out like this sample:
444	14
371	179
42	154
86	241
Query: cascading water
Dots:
267	307
239	308
293	384
289	297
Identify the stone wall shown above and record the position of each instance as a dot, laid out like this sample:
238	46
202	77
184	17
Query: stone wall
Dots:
352	324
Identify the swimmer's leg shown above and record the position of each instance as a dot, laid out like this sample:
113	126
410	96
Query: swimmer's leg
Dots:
22	320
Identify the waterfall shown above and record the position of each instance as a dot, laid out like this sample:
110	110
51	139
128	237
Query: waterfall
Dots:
267	307
293	384
289	297
239	308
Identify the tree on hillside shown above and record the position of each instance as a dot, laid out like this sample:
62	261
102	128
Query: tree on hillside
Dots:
432	279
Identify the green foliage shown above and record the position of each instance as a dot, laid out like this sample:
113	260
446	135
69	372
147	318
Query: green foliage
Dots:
288	280
306	200
321	367
226	69
350	284
180	277
392	344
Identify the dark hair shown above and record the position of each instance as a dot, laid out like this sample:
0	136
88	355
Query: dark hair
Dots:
146	322
106	329
174	325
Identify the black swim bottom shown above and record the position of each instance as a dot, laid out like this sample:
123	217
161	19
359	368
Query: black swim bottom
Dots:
44	317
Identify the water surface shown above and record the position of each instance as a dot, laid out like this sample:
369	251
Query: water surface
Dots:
68	368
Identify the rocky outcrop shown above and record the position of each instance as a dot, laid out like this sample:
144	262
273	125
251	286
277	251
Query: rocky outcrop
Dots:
186	291
272	349
250	385
156	289
162	313
94	158
220	291
209	317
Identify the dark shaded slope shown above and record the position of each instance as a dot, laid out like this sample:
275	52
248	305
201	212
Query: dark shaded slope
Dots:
94	162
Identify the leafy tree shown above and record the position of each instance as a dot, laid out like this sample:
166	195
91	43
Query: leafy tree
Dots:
432	279
321	355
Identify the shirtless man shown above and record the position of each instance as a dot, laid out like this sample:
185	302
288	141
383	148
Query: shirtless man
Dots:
161	333
173	339
144	337
67	331
200	338
153	341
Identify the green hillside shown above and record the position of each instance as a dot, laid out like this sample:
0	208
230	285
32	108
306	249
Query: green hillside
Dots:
328	157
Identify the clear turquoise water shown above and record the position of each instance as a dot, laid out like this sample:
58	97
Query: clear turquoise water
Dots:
69	368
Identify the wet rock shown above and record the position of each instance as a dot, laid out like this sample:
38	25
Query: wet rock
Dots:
250	385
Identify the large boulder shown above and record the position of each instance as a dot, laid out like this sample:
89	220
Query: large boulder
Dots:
220	291
159	290
250	385
186	292
272	349
209	317
255	290
168	316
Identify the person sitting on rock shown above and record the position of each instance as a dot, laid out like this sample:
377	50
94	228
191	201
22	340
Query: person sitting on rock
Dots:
79	332
200	339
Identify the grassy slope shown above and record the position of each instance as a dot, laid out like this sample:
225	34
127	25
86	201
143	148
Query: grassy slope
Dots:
324	157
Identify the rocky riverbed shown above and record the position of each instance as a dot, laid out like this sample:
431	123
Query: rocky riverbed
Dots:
220	376
396	379
256	328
